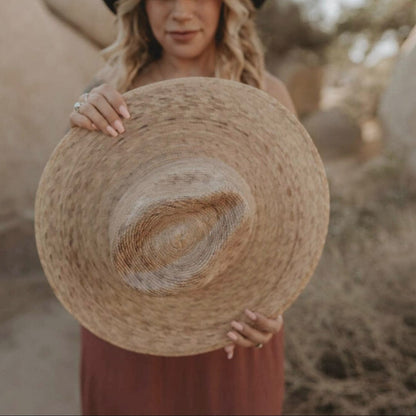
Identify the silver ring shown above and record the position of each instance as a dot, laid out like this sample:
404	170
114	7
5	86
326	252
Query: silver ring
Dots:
77	105
260	345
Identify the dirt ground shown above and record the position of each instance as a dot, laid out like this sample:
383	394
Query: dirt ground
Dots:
350	336
39	350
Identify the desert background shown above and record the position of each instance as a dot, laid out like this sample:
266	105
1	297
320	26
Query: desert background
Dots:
350	66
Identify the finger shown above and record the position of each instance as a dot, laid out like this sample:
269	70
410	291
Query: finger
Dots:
88	110
80	120
263	323
239	339
115	98
229	349
84	97
253	335
108	112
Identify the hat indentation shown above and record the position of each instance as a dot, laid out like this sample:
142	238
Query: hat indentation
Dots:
170	247
168	230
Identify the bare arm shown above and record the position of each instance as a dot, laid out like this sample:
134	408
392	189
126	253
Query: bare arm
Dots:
94	83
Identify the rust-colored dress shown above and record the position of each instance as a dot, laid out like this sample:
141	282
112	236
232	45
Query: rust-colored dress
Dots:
115	381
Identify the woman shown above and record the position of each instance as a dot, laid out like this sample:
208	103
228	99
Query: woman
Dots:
218	39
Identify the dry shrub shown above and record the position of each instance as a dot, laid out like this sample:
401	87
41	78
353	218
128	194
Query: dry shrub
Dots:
351	335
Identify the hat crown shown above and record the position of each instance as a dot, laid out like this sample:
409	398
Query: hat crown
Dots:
182	212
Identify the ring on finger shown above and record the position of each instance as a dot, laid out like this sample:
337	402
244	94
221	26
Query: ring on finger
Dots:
77	105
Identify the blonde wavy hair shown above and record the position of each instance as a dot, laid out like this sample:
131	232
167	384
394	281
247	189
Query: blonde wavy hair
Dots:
240	52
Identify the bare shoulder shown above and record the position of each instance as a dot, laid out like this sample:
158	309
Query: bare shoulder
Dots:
276	88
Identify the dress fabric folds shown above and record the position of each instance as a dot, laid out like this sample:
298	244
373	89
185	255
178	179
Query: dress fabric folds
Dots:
115	381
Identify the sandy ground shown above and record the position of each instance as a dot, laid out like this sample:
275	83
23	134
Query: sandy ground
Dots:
39	350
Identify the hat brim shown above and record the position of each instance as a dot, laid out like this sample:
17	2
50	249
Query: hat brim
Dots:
111	4
263	264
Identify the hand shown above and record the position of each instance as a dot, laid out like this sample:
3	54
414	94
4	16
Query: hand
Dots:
101	110
248	336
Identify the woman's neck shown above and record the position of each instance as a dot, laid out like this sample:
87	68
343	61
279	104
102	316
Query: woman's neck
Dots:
170	66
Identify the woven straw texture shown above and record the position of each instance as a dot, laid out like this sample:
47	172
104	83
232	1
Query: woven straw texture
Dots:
214	199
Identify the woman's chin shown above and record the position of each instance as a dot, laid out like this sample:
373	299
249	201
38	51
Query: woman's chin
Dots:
184	52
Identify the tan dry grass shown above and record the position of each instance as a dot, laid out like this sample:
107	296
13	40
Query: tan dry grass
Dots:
351	336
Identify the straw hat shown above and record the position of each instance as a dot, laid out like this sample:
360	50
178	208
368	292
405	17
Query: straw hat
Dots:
214	200
111	4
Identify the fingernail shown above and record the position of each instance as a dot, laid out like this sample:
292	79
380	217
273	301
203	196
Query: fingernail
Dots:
124	112
119	126
112	131
94	126
230	355
251	314
237	325
232	336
